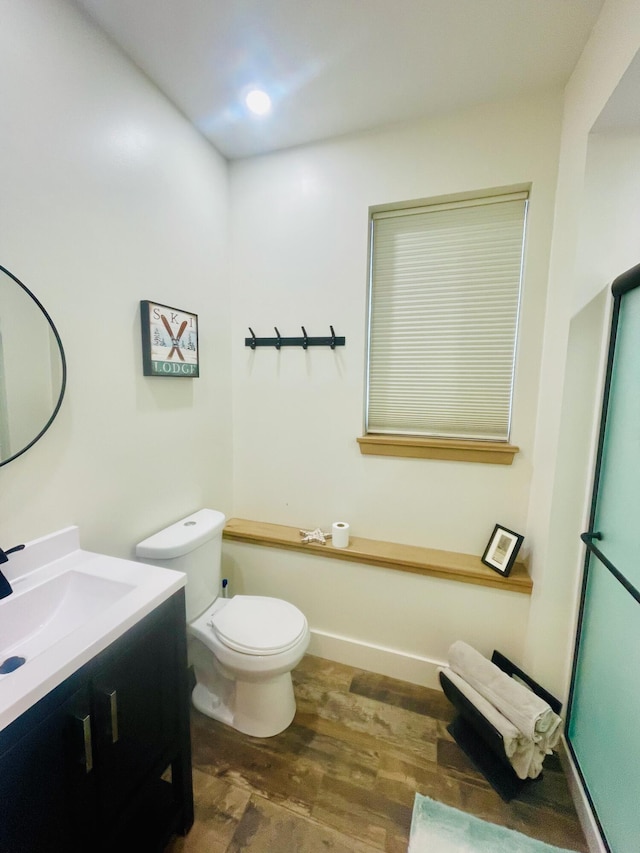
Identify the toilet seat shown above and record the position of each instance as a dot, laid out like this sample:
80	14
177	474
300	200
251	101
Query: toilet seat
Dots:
258	625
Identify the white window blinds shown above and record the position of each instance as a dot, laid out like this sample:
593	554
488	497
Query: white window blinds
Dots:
443	316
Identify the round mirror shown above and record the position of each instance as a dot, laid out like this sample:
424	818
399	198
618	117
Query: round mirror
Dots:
33	370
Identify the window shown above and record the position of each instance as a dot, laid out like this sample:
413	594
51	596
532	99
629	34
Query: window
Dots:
443	316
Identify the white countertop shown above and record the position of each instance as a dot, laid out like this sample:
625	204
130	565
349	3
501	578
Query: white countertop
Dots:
41	562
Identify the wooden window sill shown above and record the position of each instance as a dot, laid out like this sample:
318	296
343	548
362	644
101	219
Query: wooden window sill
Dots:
421	447
465	568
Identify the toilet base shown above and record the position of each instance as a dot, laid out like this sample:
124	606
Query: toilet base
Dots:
256	708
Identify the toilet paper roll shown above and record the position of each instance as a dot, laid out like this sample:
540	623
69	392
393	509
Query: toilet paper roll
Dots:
340	534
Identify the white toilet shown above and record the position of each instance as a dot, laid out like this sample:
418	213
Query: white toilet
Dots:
242	648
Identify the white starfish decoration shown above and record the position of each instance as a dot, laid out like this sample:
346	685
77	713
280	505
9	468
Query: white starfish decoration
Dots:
315	536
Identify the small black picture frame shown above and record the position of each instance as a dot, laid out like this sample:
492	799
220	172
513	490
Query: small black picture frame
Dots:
169	341
502	550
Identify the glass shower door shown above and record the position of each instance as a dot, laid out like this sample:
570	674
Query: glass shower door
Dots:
604	704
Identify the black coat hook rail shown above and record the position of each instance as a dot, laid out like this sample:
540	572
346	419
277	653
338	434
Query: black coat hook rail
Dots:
305	341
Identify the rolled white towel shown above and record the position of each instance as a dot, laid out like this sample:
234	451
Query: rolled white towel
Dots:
527	711
524	755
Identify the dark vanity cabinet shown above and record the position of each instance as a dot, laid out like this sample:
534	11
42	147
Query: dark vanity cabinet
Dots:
46	798
104	761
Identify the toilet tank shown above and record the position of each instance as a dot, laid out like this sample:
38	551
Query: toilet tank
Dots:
193	546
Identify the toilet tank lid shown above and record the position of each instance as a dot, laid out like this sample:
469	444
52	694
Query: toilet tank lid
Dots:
182	537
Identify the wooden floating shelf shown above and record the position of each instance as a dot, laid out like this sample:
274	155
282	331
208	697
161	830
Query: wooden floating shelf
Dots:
449	565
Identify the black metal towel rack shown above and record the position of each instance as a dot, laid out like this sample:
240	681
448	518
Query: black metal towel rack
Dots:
305	341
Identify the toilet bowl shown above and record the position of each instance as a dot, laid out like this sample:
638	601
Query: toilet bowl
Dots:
243	648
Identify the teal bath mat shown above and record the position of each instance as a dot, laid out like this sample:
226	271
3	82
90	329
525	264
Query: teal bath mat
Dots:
436	828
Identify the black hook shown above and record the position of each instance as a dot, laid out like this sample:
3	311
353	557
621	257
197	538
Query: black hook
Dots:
333	338
253	338
305	340
278	344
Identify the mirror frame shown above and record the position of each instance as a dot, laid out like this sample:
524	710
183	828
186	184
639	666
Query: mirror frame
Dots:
63	384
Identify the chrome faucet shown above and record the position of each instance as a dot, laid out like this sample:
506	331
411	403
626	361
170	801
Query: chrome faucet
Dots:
5	586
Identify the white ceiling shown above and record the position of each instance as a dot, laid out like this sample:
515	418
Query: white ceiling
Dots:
337	66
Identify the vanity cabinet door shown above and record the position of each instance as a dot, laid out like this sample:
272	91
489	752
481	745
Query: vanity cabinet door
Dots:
47	783
136	709
81	771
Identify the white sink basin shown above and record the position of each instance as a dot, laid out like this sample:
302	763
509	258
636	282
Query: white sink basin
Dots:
67	606
38	617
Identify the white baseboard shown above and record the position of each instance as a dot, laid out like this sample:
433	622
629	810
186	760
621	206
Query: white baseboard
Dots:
583	808
384	661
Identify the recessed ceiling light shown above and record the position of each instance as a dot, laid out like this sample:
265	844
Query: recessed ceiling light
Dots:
258	102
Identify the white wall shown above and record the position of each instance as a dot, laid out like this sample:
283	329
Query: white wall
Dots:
108	197
553	524
595	239
299	248
299	226
609	241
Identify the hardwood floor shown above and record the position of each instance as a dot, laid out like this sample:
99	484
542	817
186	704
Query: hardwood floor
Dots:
342	777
